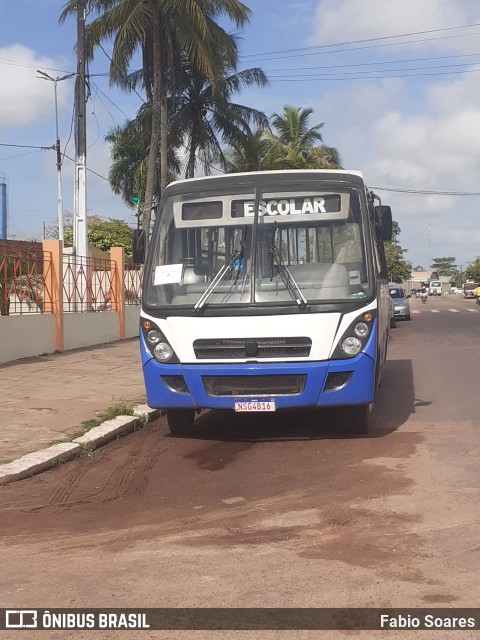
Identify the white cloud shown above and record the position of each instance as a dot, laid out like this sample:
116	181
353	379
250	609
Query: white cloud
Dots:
24	98
426	139
347	20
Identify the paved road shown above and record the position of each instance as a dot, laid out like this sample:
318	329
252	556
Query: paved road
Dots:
282	510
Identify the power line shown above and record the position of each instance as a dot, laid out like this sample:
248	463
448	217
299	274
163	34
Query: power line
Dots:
20	155
371	46
430	192
347	73
349	42
26	146
89	170
99	91
333	78
370	64
121	73
16	63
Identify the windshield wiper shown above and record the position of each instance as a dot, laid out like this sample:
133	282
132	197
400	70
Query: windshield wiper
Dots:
236	255
285	274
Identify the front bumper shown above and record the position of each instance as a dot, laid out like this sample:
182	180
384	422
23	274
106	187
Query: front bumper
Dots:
359	389
402	312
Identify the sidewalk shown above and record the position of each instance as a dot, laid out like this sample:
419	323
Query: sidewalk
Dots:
46	399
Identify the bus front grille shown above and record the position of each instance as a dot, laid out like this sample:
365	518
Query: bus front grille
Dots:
286	385
239	348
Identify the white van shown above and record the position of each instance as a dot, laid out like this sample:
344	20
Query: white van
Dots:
435	288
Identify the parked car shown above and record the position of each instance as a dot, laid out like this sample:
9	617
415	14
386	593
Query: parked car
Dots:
401	302
392	313
458	291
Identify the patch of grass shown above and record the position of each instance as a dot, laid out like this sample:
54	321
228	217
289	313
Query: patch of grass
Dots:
86	449
120	409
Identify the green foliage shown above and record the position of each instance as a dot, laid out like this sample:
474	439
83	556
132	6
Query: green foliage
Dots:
165	33
102	233
472	272
122	408
204	115
445	266
291	144
399	269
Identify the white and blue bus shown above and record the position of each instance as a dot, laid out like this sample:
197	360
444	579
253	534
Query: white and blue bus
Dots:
266	291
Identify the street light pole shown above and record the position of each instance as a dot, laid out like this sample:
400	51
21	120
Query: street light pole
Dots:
45	76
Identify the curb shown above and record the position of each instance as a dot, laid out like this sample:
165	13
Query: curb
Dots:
45	459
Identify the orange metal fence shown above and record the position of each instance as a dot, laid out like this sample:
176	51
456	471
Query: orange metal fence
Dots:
25	279
133	283
26	282
88	284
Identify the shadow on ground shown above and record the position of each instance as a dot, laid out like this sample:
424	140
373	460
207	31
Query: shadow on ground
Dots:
395	402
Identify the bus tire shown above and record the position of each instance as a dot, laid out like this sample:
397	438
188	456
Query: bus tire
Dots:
180	421
359	419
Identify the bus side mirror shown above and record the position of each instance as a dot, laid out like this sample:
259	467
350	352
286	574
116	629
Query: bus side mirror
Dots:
385	224
138	246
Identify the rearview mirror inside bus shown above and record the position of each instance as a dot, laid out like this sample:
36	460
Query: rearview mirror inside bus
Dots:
138	246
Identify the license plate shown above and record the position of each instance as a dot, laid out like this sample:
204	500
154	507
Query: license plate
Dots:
254	405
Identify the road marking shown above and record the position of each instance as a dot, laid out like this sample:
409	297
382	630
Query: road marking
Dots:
439	310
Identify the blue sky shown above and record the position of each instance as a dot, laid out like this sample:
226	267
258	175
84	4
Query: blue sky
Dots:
405	110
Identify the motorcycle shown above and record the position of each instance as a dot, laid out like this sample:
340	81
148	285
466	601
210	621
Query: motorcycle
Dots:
424	297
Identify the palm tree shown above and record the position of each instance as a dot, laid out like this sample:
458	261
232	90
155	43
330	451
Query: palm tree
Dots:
204	115
248	153
290	144
163	30
292	138
129	151
324	157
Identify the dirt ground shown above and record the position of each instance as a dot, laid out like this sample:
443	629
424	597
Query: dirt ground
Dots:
283	510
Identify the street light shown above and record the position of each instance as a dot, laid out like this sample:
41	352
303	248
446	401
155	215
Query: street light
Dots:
45	76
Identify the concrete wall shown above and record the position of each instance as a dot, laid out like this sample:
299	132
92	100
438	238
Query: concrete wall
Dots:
26	336
132	320
88	329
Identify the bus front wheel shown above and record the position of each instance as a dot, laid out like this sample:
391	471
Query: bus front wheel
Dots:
180	421
358	419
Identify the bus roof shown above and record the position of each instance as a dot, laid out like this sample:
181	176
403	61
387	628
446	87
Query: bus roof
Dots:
335	174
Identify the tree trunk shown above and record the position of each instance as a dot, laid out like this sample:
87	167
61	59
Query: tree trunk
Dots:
163	131
156	126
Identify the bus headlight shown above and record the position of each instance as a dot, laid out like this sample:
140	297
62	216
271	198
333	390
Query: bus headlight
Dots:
361	329
351	345
154	336
156	343
355	338
163	352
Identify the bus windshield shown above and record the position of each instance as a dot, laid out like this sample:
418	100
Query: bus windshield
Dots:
289	244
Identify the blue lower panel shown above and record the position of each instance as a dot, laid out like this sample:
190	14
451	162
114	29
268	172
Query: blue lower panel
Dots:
358	390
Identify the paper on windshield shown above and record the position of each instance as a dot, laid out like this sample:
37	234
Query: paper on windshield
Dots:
168	274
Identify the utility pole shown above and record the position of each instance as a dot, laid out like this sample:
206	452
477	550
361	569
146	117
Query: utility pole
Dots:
80	187
45	76
429	253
